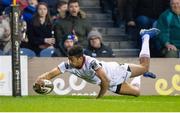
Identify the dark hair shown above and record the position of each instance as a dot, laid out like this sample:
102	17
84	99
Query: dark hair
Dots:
61	3
72	1
76	51
36	21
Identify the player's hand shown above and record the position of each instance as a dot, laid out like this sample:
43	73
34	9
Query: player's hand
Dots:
39	81
171	47
98	97
38	84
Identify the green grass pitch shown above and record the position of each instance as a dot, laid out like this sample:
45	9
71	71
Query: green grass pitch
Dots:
52	103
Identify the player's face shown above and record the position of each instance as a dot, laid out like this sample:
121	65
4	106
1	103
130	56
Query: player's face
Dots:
75	62
42	10
74	8
175	6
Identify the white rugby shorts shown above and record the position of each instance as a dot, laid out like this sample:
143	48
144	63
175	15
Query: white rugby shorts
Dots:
119	76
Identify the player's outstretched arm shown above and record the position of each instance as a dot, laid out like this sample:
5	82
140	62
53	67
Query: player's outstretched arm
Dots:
104	82
49	75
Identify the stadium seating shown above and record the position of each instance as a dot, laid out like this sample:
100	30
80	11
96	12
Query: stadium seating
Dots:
1	52
122	44
24	51
28	52
47	52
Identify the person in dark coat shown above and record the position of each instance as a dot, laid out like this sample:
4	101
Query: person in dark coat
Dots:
63	47
30	10
75	22
169	24
95	47
143	13
39	30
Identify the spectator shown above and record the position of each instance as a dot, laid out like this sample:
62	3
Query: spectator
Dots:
143	14
5	5
23	33
96	48
67	42
52	6
5	34
22	3
73	23
40	29
169	24
62	8
30	10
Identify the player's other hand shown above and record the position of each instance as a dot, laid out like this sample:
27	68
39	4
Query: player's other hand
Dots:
39	81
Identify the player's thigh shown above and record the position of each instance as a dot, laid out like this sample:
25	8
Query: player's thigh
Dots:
127	89
137	70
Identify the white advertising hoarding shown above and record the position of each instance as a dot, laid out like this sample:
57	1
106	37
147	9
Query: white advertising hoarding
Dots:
166	83
6	76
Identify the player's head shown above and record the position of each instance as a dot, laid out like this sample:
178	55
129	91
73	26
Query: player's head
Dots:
75	56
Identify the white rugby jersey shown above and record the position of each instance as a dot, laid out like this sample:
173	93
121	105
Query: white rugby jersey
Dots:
112	69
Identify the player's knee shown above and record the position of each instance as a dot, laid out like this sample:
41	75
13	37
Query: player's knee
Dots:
137	93
145	64
145	69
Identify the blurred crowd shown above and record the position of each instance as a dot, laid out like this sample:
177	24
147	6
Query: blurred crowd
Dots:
54	26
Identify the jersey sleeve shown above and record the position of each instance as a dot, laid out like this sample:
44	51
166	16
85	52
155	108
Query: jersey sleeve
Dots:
95	64
63	66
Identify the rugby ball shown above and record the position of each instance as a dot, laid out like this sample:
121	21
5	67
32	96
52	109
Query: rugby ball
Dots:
45	87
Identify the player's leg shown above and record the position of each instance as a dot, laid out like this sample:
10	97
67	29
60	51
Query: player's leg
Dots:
136	70
144	56
127	89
